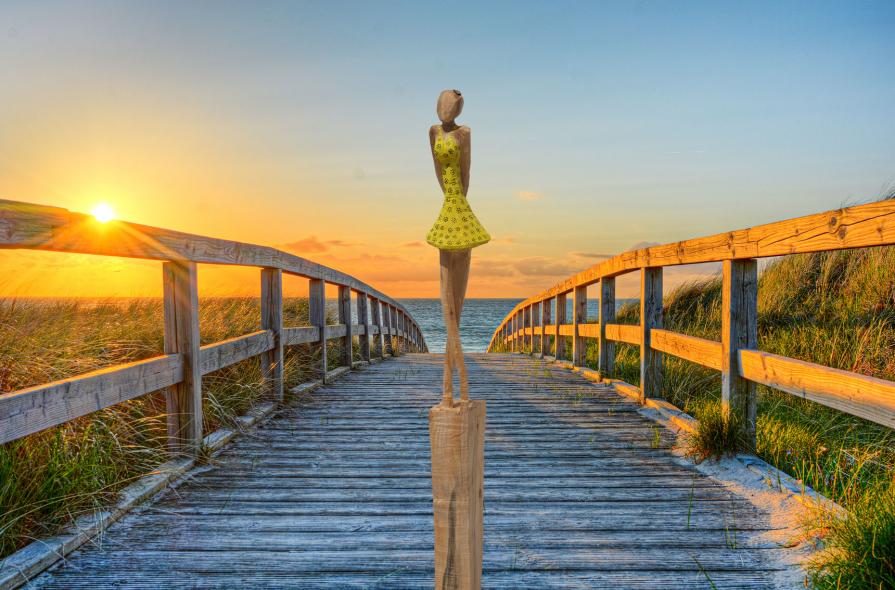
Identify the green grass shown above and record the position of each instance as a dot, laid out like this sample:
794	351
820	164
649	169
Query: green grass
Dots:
48	478
836	309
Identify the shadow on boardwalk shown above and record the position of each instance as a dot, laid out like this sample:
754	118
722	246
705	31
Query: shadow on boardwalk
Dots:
580	492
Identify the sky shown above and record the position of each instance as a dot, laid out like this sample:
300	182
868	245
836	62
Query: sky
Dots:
596	127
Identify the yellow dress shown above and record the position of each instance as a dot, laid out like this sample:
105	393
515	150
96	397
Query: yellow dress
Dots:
457	227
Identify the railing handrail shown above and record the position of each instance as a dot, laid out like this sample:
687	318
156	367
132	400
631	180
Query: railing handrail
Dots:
180	369
736	356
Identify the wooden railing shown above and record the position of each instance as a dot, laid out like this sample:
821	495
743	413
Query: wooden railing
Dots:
736	355
184	362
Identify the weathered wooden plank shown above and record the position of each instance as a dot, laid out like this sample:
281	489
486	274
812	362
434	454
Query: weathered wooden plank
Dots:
606	361
229	352
589	331
301	335
697	350
317	318
183	399
39	227
334	331
272	320
628	333
866	397
739	331
345	320
559	343
650	317
545	326
34	409
872	224
579	317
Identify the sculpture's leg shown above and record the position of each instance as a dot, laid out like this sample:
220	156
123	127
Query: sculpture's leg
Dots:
447	308
454	278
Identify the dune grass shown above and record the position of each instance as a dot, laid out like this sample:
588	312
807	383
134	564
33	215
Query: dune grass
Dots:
831	308
48	478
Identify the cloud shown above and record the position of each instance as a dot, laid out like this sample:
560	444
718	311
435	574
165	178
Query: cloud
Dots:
492	268
590	255
503	240
313	244
412	245
642	245
544	267
529	196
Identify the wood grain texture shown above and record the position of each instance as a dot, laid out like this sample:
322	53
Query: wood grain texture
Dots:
183	399
317	318
34	409
229	352
650	317
697	350
335	492
301	335
344	304
579	318
39	227
628	333
872	224
606	360
739	331
363	318
545	326
457	440
866	397
559	319
272	320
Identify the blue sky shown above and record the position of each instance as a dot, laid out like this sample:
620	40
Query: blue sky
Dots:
620	122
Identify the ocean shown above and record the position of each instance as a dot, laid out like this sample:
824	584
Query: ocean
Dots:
480	318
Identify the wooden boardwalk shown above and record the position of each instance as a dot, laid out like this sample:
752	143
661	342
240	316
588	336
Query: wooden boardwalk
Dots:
334	492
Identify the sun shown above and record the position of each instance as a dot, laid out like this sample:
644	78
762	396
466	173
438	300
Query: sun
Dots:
103	212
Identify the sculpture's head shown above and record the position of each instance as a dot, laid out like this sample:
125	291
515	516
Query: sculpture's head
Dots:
450	104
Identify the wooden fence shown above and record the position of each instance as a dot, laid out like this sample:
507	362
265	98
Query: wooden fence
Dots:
180	369
736	355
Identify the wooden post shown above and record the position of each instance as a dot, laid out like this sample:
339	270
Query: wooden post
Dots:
272	319
545	319
739	330
396	332
535	317
184	400
364	320
457	438
387	327
379	338
579	316
317	309
607	316
560	341
526	325
650	317
345	318
513	332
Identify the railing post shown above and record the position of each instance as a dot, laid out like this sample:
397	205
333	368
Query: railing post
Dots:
513	332
560	341
535	317
579	316
526	324
184	400
364	320
607	316
739	330
396	334
387	327
317	311
650	317
272	319
545	319
379	338
345	318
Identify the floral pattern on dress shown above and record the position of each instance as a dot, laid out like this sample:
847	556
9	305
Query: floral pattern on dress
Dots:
457	227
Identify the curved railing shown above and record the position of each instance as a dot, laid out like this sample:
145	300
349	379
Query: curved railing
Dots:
180	369
529	324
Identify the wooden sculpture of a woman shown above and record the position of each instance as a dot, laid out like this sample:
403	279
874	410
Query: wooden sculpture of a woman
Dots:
456	428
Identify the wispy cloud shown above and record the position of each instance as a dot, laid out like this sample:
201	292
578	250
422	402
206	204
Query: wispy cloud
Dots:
590	255
313	244
529	196
412	245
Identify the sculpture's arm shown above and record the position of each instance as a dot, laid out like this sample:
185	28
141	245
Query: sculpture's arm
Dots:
465	158
432	134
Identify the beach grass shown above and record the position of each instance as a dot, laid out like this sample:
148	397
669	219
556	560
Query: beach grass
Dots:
49	478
